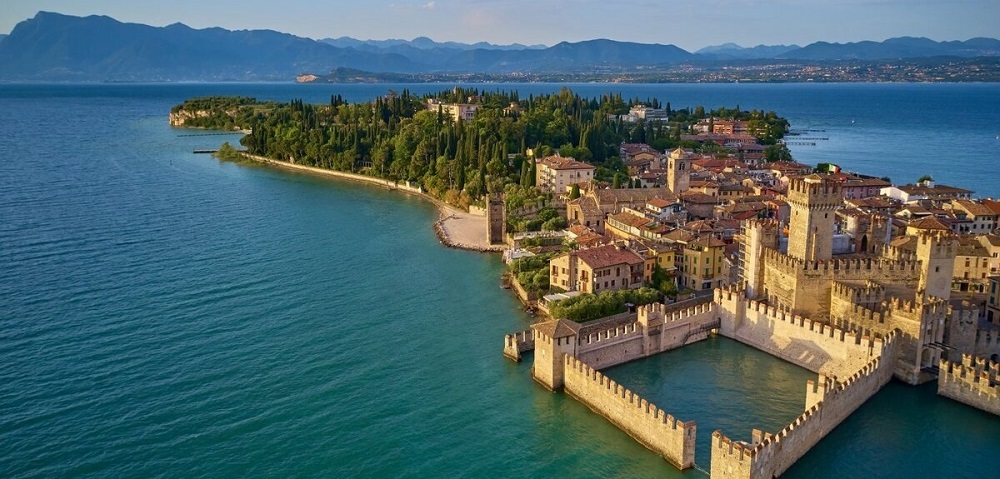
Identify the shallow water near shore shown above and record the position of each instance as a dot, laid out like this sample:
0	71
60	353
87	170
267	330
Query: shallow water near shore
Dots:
167	314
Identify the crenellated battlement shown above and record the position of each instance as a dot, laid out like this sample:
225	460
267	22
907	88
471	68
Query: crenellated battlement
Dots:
924	307
898	254
828	403
815	191
815	327
517	343
762	224
616	333
841	266
653	427
869	293
974	381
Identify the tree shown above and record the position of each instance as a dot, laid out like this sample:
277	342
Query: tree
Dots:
617	183
574	192
924	179
228	153
778	152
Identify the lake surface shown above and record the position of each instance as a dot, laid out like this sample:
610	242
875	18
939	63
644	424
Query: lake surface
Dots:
164	314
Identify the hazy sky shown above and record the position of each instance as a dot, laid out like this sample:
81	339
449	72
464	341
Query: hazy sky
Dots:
690	24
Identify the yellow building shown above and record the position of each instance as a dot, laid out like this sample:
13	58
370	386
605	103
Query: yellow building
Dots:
702	264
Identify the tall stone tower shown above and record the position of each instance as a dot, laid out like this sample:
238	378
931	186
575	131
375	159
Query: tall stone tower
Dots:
936	250
755	235
679	171
813	202
553	341
496	219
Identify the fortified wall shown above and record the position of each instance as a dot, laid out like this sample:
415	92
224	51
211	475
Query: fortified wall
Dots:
813	345
806	286
828	403
974	381
646	423
654	331
988	343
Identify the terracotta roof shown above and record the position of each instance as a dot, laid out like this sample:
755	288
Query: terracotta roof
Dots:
631	195
588	205
564	163
706	241
608	255
679	236
698	198
929	223
659	203
992	205
908	243
993	240
559	328
631	219
974	208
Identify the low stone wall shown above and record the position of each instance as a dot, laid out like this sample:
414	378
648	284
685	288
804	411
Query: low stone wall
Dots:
648	424
654	332
516	344
974	381
828	403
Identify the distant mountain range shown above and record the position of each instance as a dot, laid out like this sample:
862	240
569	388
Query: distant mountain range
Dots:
732	51
56	47
422	43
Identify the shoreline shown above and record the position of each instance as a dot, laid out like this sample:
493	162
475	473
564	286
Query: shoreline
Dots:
454	228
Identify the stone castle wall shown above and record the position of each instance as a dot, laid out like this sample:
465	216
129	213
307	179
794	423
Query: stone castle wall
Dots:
806	286
654	332
828	403
987	343
812	345
974	381
644	421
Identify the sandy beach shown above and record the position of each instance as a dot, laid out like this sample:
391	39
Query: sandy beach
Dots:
460	229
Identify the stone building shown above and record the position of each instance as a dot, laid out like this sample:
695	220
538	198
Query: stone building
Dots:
702	265
554	174
603	268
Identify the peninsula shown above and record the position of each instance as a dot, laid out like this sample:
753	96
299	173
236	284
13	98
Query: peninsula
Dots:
635	228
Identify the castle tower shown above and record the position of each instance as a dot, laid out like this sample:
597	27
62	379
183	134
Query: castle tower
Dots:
678	171
813	202
553	341
936	250
755	235
496	219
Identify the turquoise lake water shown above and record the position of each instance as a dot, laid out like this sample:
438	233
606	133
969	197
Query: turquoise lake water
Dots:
164	314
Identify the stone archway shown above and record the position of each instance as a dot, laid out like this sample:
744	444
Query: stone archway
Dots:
864	244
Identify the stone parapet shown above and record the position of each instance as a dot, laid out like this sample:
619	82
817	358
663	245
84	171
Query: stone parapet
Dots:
975	381
641	419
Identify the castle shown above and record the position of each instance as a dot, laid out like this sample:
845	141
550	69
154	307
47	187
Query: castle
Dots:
875	290
856	319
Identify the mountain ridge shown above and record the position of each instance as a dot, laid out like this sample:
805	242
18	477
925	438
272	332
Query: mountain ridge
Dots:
56	47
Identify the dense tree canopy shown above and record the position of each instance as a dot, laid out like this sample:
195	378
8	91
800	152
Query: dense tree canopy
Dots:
398	137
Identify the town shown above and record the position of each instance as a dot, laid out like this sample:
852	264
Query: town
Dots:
849	276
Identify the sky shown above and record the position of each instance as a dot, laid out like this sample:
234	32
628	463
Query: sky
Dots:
689	24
